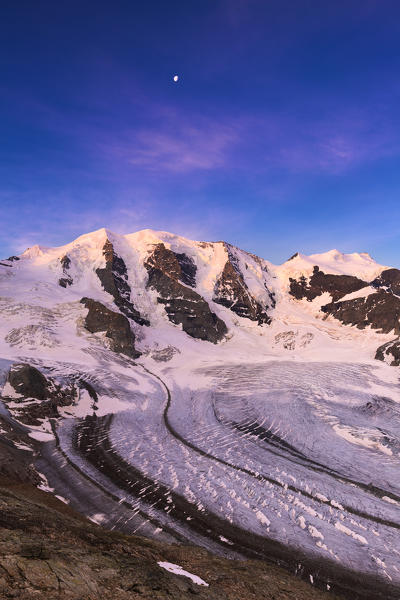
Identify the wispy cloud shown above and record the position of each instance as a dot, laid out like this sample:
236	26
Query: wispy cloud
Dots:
181	148
254	144
336	145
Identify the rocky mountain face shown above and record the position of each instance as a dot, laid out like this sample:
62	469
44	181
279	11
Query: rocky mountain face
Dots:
193	392
380	310
319	282
361	303
168	274
66	279
115	325
114	279
232	291
31	397
389	352
133	286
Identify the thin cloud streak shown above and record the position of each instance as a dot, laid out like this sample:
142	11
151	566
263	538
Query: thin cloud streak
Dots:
189	148
165	140
252	144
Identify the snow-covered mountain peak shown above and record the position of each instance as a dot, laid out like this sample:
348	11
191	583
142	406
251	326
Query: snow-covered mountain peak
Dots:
35	251
146	237
334	262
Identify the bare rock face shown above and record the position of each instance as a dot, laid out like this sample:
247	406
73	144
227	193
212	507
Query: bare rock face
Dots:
390	353
35	396
179	267
389	280
116	326
16	465
380	311
183	305
319	282
232	292
29	382
114	279
8	262
67	279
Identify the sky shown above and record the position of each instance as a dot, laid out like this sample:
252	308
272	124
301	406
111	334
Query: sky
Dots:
282	133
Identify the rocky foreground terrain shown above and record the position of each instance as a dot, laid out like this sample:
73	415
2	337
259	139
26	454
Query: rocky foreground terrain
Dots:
242	417
48	550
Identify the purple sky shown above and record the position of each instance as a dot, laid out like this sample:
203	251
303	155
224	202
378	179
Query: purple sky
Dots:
281	135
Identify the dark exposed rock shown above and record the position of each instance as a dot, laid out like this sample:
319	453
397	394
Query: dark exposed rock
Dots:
16	464
380	310
30	385
12	258
188	269
183	305
64	282
187	308
389	352
389	279
293	256
116	326
231	291
179	267
38	551
319	282
49	551
65	261
114	279
89	388
67	279
29	382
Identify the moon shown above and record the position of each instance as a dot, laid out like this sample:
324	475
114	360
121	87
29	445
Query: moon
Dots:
175	78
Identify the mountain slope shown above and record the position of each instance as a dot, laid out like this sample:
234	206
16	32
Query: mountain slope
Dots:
199	394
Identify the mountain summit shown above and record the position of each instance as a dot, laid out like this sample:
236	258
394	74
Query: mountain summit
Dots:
150	287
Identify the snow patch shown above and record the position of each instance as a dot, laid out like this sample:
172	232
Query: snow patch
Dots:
178	570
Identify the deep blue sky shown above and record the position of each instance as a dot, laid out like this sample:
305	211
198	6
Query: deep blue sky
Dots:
282	134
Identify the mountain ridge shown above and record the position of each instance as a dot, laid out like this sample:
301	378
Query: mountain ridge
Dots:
162	370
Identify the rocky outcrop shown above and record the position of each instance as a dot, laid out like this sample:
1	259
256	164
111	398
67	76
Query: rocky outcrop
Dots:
29	382
7	262
114	279
183	305
115	325
33	396
66	280
48	551
319	282
390	353
232	292
16	464
380	311
389	280
179	267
